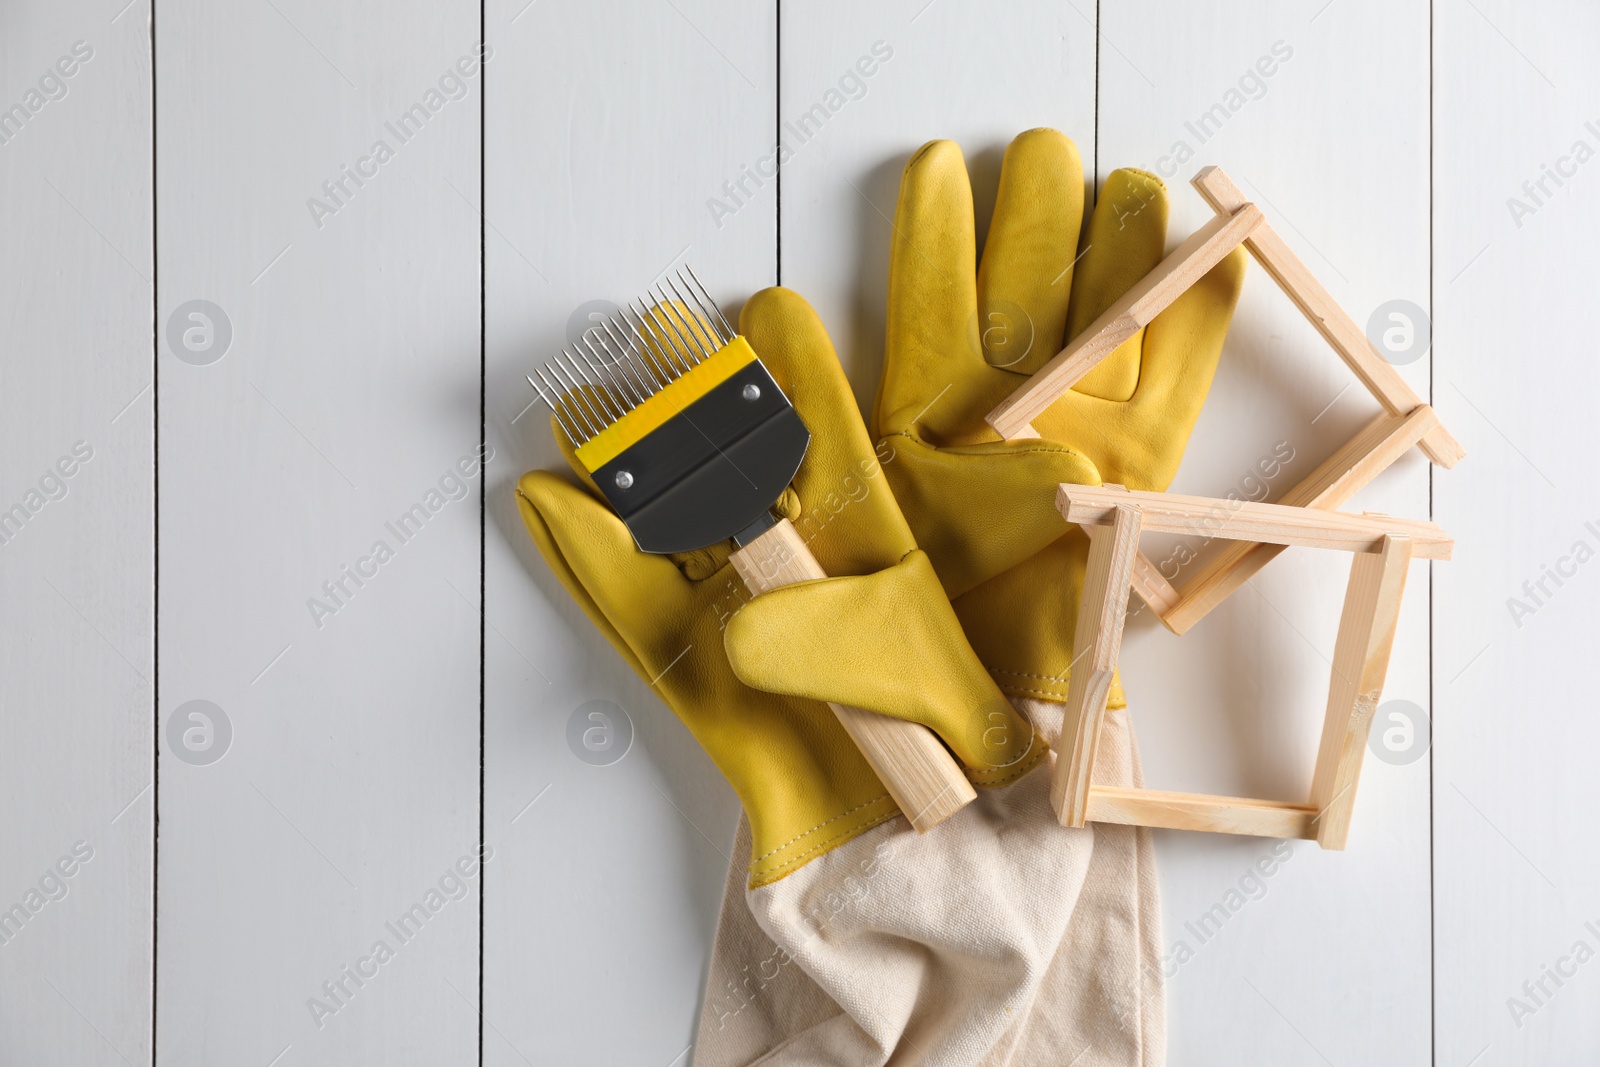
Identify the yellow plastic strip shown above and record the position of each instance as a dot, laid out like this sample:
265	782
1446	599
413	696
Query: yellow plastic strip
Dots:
649	416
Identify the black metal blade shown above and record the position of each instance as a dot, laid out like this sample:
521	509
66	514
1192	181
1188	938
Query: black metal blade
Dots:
711	471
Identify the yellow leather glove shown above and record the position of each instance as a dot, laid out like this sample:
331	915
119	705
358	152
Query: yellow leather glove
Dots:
749	677
958	343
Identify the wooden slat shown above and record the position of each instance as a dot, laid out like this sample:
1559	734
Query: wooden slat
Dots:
348	405
1360	664
1325	313
1152	586
1513	861
1145	579
77	536
1376	446
1272	523
691	87
1365	96
1382	441
1095	645
1150	296
1194	811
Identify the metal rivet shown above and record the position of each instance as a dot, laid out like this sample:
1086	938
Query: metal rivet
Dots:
751	392
624	480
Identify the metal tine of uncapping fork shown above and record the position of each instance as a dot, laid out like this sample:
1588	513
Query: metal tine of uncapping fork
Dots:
628	334
666	330
619	382
726	325
610	367
668	352
638	331
692	321
647	386
664	305
652	377
705	316
659	328
660	371
579	413
597	400
589	405
668	369
622	356
616	386
561	419
708	307
670	332
678	308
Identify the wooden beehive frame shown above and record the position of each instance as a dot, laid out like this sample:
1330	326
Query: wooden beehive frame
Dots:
1405	421
1115	517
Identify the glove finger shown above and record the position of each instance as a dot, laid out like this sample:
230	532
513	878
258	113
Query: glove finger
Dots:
930	343
1025	277
1140	443
848	516
976	524
877	637
625	592
1127	237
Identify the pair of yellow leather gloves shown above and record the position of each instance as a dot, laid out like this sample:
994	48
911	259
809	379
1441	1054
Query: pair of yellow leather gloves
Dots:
986	605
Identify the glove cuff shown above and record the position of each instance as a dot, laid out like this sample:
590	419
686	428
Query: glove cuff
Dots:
799	849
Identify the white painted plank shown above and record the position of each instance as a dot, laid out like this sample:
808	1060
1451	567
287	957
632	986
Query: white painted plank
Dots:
609	128
346	396
1332	143
1516	217
76	537
955	71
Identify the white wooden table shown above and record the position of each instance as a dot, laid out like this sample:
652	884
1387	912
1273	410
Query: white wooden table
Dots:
202	486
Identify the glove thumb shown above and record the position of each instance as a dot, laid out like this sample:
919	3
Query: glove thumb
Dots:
888	642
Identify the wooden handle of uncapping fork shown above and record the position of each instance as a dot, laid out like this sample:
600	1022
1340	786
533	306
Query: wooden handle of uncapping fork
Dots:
919	772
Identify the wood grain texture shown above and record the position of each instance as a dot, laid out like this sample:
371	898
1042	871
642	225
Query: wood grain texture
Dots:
1096	642
1192	811
1360	666
910	760
1231	707
1280	524
1338	478
1324	312
334	422
1153	587
1236	221
77	527
611	128
957	72
1516	878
